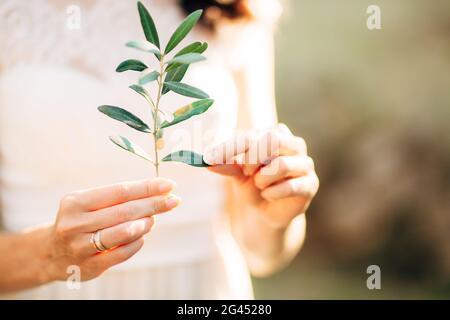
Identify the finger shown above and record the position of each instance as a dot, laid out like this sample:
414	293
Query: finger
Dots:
129	211
224	152
233	170
305	186
110	258
281	168
270	145
106	196
124	233
285	129
114	236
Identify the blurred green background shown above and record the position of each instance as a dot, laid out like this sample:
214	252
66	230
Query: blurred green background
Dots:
374	107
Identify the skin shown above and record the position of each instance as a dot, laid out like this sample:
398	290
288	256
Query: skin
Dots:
124	214
271	193
268	196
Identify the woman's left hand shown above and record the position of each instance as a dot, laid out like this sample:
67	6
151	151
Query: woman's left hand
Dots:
273	172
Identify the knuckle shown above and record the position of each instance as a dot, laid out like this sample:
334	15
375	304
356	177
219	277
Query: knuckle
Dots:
159	205
301	143
124	212
151	187
310	163
70	202
292	188
65	229
316	182
283	165
61	232
310	188
272	140
150	224
122	192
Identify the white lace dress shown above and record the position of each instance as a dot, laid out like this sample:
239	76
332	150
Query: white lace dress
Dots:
53	141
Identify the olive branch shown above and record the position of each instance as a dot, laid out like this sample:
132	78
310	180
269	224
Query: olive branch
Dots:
169	75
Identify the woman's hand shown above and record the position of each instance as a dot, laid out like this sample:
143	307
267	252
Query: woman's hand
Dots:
123	213
273	172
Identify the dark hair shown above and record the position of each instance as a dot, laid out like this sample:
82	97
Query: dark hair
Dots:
217	10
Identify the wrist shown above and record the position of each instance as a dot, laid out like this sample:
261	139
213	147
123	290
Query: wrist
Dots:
272	222
45	255
259	233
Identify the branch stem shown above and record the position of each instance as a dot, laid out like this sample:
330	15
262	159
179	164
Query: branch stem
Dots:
156	123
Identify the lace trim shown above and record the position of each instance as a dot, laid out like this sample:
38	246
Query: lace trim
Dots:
36	31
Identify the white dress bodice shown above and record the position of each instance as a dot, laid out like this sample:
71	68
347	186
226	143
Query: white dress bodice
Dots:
53	141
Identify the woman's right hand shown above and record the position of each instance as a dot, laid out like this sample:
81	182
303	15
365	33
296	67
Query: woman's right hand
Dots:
123	213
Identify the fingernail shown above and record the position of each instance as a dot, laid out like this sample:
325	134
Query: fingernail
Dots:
210	156
166	186
172	201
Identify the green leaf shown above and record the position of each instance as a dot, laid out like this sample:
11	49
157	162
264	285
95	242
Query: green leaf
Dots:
125	116
129	146
143	45
131	64
188	111
141	90
202	48
184	28
186	90
178	70
193	47
148	25
189	157
187	58
175	75
148	75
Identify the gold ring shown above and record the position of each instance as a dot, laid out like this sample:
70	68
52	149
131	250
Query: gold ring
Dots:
97	242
